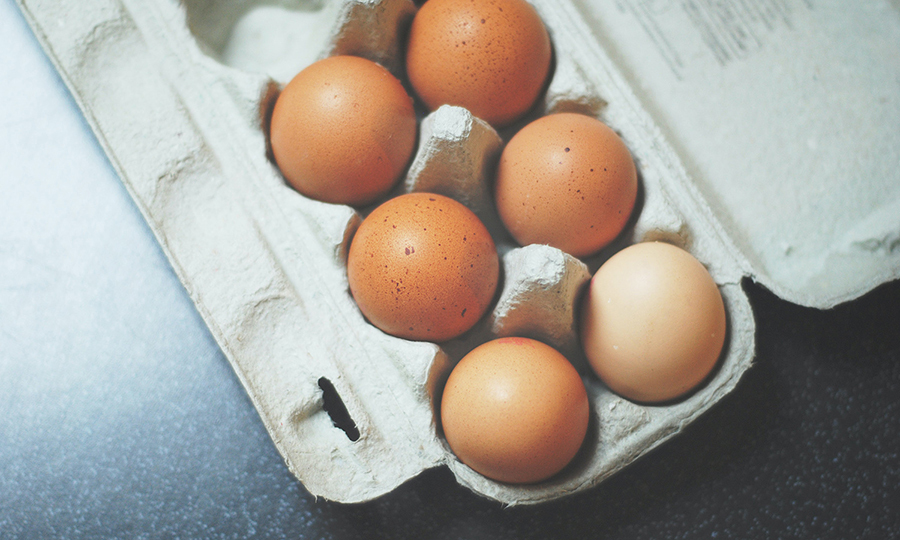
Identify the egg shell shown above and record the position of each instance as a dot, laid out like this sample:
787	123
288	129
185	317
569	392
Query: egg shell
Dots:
422	266
568	181
515	410
343	130
490	56
653	323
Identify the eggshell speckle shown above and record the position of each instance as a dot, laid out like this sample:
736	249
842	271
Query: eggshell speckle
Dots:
566	180
489	56
423	267
653	322
515	410
343	131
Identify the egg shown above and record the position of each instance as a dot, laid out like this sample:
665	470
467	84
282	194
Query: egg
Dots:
423	267
515	410
343	131
566	180
490	56
653	323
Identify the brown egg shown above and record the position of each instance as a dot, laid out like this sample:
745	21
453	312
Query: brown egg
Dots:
653	322
489	56
566	180
515	410
343	130
423	267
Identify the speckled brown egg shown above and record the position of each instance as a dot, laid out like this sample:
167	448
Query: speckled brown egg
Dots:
489	56
515	410
566	180
343	131
423	267
653	322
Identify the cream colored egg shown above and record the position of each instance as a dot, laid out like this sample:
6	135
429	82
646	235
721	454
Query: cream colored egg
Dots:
653	322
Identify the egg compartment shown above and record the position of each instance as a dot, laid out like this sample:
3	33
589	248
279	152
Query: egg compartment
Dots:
265	266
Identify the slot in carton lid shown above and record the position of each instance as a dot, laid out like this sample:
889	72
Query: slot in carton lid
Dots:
786	115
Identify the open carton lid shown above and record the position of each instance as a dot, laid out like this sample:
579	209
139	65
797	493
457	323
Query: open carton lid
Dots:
786	116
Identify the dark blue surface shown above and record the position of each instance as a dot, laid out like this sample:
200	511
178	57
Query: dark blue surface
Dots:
120	417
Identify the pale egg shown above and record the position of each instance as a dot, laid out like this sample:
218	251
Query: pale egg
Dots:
653	322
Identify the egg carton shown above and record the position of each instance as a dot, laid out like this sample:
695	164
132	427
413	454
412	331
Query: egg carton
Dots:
179	95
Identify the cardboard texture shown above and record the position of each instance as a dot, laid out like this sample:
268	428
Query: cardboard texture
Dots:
178	93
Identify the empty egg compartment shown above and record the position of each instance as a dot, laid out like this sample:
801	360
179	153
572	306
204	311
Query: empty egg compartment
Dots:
179	94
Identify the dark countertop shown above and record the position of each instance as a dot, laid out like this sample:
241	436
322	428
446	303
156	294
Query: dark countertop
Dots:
120	417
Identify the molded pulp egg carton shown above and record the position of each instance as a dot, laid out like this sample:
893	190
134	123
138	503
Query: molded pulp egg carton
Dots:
178	93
